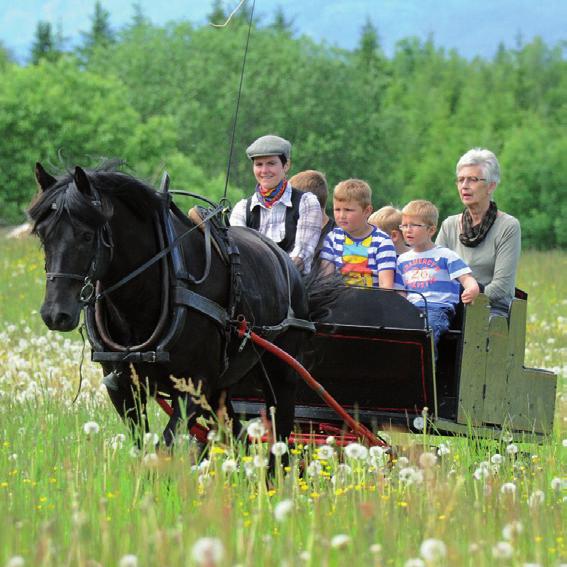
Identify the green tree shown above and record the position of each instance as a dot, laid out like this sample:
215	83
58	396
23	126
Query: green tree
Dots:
46	44
281	23
100	35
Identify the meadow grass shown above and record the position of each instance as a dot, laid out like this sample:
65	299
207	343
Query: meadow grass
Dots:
74	491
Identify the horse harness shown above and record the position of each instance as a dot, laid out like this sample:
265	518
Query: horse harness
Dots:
175	280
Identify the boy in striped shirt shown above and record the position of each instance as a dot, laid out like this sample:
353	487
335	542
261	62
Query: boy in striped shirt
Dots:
431	272
363	254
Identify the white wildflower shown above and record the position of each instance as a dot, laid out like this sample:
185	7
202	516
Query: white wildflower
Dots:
256	429
402	462
427	460
229	466
356	451
375	549
340	541
502	550
433	550
128	561
91	427
283	509
279	449
564	442
16	561
497	459
507	437
325	453
117	441
558	484
305	556
13	457
330	440
208	551
414	562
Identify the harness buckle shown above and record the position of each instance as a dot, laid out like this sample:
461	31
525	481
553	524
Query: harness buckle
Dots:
87	291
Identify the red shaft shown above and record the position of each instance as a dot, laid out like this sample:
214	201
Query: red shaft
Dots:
312	383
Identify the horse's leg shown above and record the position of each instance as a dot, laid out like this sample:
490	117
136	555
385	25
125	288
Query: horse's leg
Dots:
130	403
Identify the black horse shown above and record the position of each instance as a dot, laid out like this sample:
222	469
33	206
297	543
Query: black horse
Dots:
100	226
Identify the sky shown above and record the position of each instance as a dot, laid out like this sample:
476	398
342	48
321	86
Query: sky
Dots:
473	27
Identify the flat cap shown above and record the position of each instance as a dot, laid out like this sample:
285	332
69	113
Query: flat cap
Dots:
269	146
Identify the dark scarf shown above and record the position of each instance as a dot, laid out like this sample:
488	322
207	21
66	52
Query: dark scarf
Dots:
269	197
471	236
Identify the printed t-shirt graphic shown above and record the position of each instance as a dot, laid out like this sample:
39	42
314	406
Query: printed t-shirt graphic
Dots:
355	269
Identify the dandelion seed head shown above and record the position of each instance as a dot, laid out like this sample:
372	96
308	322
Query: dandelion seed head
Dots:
418	423
91	428
129	560
433	550
260	462
508	488
558	484
256	429
340	541
443	449
414	562
375	549
207	551
314	469
356	451
229	466
330	440
536	498
282	510
213	435
502	550
511	530
427	460
325	452
151	439
512	449
150	460
279	449
497	459
16	561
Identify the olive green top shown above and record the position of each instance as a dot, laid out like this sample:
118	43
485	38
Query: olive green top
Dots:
494	261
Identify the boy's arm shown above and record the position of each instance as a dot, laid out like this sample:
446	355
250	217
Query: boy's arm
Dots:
386	279
327	268
471	288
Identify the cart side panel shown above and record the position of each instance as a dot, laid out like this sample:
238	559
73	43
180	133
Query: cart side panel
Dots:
531	392
371	368
496	402
473	365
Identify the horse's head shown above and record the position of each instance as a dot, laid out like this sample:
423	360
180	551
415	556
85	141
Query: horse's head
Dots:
71	222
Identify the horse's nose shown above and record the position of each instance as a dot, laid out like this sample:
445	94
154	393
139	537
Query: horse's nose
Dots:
58	320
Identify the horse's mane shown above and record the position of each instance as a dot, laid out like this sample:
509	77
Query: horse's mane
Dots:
64	196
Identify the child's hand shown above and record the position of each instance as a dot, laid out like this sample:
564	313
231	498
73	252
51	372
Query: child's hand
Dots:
470	293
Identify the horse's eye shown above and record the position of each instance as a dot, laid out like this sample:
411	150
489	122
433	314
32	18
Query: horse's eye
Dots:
87	236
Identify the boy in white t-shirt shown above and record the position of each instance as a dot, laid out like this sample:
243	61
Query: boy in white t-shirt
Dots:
431	274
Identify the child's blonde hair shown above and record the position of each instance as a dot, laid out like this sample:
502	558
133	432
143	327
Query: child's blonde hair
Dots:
387	219
425	210
354	190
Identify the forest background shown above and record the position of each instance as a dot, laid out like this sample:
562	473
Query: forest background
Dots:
164	97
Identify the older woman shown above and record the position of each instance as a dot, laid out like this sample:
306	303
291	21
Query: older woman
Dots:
289	217
487	239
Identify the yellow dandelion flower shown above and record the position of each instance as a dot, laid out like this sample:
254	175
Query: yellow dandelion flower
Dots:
315	495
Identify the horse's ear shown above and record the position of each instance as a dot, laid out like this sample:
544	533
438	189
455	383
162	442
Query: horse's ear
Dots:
44	180
82	181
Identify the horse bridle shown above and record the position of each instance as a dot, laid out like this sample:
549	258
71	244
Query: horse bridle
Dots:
104	250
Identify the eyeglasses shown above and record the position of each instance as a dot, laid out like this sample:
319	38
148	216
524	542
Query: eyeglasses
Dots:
473	179
408	226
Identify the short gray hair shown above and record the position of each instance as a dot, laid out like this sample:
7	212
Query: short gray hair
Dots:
485	159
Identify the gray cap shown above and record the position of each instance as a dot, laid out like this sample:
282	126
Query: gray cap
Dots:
269	146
